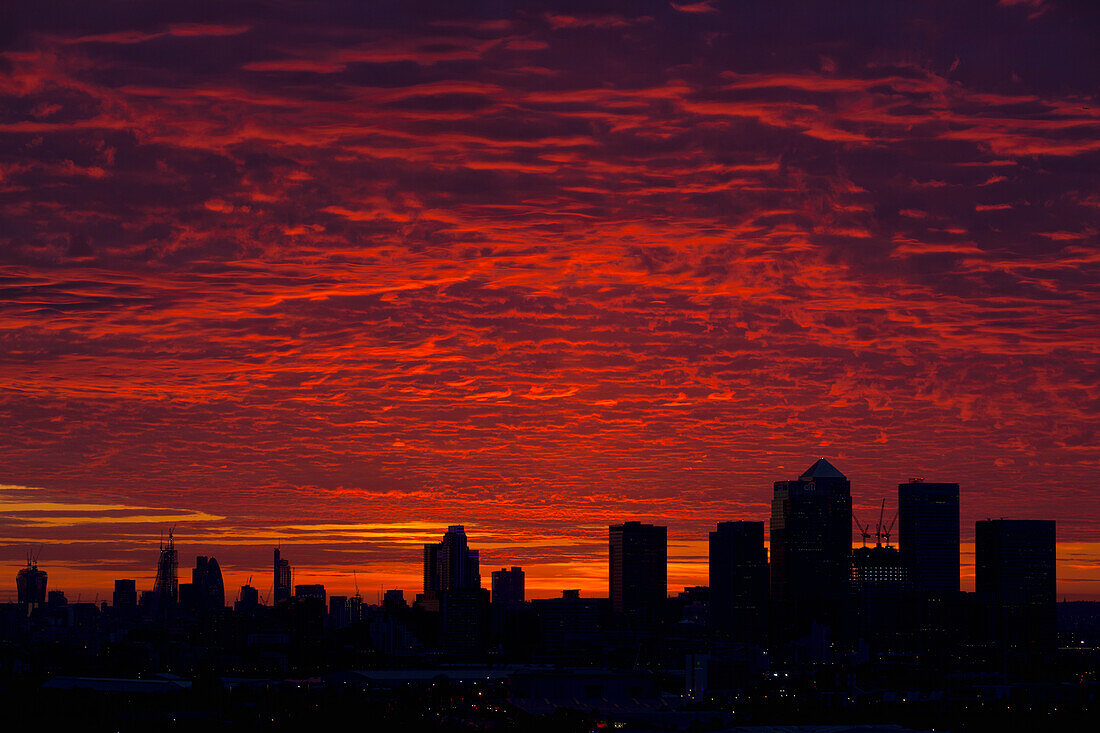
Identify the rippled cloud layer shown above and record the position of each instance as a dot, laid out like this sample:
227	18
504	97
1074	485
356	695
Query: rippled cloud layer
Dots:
337	275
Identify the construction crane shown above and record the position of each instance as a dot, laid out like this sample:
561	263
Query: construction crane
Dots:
240	593
889	529
878	530
862	529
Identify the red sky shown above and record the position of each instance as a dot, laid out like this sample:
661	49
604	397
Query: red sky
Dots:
338	274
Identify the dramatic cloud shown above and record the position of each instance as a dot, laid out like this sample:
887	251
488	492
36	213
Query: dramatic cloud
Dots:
341	274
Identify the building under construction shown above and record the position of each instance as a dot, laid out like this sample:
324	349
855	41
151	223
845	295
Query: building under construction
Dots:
166	586
30	584
282	578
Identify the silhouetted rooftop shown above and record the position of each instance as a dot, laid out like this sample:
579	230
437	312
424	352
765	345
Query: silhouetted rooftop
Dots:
822	469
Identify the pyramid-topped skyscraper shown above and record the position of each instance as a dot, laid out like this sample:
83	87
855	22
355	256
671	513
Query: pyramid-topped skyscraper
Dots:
822	469
811	547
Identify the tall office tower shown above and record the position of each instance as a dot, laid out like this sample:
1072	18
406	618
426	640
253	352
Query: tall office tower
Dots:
452	585
508	587
459	566
638	571
355	608
1015	580
510	616
739	581
451	564
166	585
339	614
928	536
344	610
125	595
431	569
207	579
248	599
811	548
30	584
473	569
282	577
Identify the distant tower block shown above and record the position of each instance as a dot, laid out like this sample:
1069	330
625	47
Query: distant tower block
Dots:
125	595
1015	579
638	571
739	581
508	587
928	536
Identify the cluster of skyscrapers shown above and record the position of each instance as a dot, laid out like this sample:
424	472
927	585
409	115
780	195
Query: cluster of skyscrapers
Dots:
814	591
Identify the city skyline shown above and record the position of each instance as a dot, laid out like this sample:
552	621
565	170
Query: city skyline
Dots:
337	275
430	572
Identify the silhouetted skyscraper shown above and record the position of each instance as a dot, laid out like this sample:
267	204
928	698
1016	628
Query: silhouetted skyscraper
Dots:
166	585
459	566
30	584
508	587
355	608
452	584
451	564
339	611
638	570
282	577
207	579
739	581
431	568
811	547
248	599
125	595
1015	579
928	536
